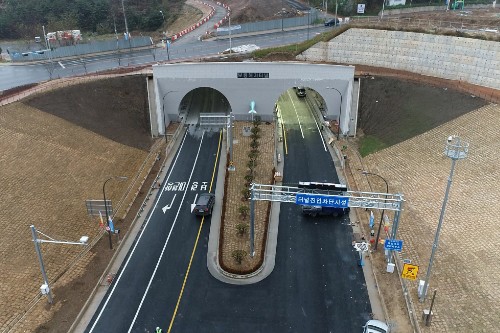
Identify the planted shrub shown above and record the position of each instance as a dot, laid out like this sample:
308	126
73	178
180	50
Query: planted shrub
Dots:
254	144
245	193
253	154
257	121
255	130
238	256
241	229
252	164
244	210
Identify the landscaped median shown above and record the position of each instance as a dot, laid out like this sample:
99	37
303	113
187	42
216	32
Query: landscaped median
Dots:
253	159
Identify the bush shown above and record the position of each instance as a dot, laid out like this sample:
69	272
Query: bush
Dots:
257	121
241	229
255	136
255	130
252	164
238	256
244	210
249	177
245	193
254	144
254	153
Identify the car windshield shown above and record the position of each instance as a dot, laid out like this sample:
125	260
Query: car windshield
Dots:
372	328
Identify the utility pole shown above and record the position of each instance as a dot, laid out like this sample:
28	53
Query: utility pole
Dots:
40	260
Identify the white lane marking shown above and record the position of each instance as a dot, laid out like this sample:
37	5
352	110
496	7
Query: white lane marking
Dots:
320	134
60	64
194	202
167	207
138	241
168	238
295	109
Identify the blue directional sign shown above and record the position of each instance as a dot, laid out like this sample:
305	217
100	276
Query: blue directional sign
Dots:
393	244
307	199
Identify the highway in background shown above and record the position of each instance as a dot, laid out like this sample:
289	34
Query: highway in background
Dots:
185	49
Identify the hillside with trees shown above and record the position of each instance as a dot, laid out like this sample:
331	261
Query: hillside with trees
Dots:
24	19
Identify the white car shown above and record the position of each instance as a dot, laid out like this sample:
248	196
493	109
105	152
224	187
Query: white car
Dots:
375	326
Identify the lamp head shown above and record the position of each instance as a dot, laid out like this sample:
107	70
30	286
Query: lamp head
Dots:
84	240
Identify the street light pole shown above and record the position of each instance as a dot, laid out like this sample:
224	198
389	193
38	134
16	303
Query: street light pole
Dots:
383	210
163	111
125	19
106	205
456	149
40	260
45	288
340	111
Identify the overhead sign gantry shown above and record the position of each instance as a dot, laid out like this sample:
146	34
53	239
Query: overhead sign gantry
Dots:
325	194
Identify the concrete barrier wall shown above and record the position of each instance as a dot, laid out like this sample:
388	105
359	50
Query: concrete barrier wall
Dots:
456	58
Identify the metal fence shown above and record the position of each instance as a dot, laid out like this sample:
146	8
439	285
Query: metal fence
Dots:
278	24
81	49
412	22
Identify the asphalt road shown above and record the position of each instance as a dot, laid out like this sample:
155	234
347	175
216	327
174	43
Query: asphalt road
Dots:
186	48
148	284
316	285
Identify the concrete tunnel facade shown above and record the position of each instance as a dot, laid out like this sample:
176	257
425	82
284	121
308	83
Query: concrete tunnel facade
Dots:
244	82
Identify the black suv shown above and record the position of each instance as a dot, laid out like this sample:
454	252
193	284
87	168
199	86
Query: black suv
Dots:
204	204
318	210
332	22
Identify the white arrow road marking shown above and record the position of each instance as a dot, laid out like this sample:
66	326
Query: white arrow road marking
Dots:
194	204
164	209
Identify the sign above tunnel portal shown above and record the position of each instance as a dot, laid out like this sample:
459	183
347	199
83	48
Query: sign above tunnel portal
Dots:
252	75
307	199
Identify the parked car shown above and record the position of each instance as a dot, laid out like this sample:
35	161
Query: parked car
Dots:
300	91
318	210
375	326
332	22
204	204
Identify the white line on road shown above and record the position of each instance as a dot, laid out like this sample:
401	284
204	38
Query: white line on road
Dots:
194	202
167	207
320	134
60	64
138	241
168	238
296	114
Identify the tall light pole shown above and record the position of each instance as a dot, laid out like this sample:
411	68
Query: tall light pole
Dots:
126	25
106	205
382	215
340	110
456	149
163	112
45	288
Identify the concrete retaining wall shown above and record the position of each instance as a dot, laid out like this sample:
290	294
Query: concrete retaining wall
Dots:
400	11
456	58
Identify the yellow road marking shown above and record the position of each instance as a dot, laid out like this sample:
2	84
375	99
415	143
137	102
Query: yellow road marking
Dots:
195	243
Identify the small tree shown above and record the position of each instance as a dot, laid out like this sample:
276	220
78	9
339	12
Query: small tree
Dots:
255	136
257	121
255	130
252	164
254	144
245	193
238	256
249	177
241	229
253	154
243	211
